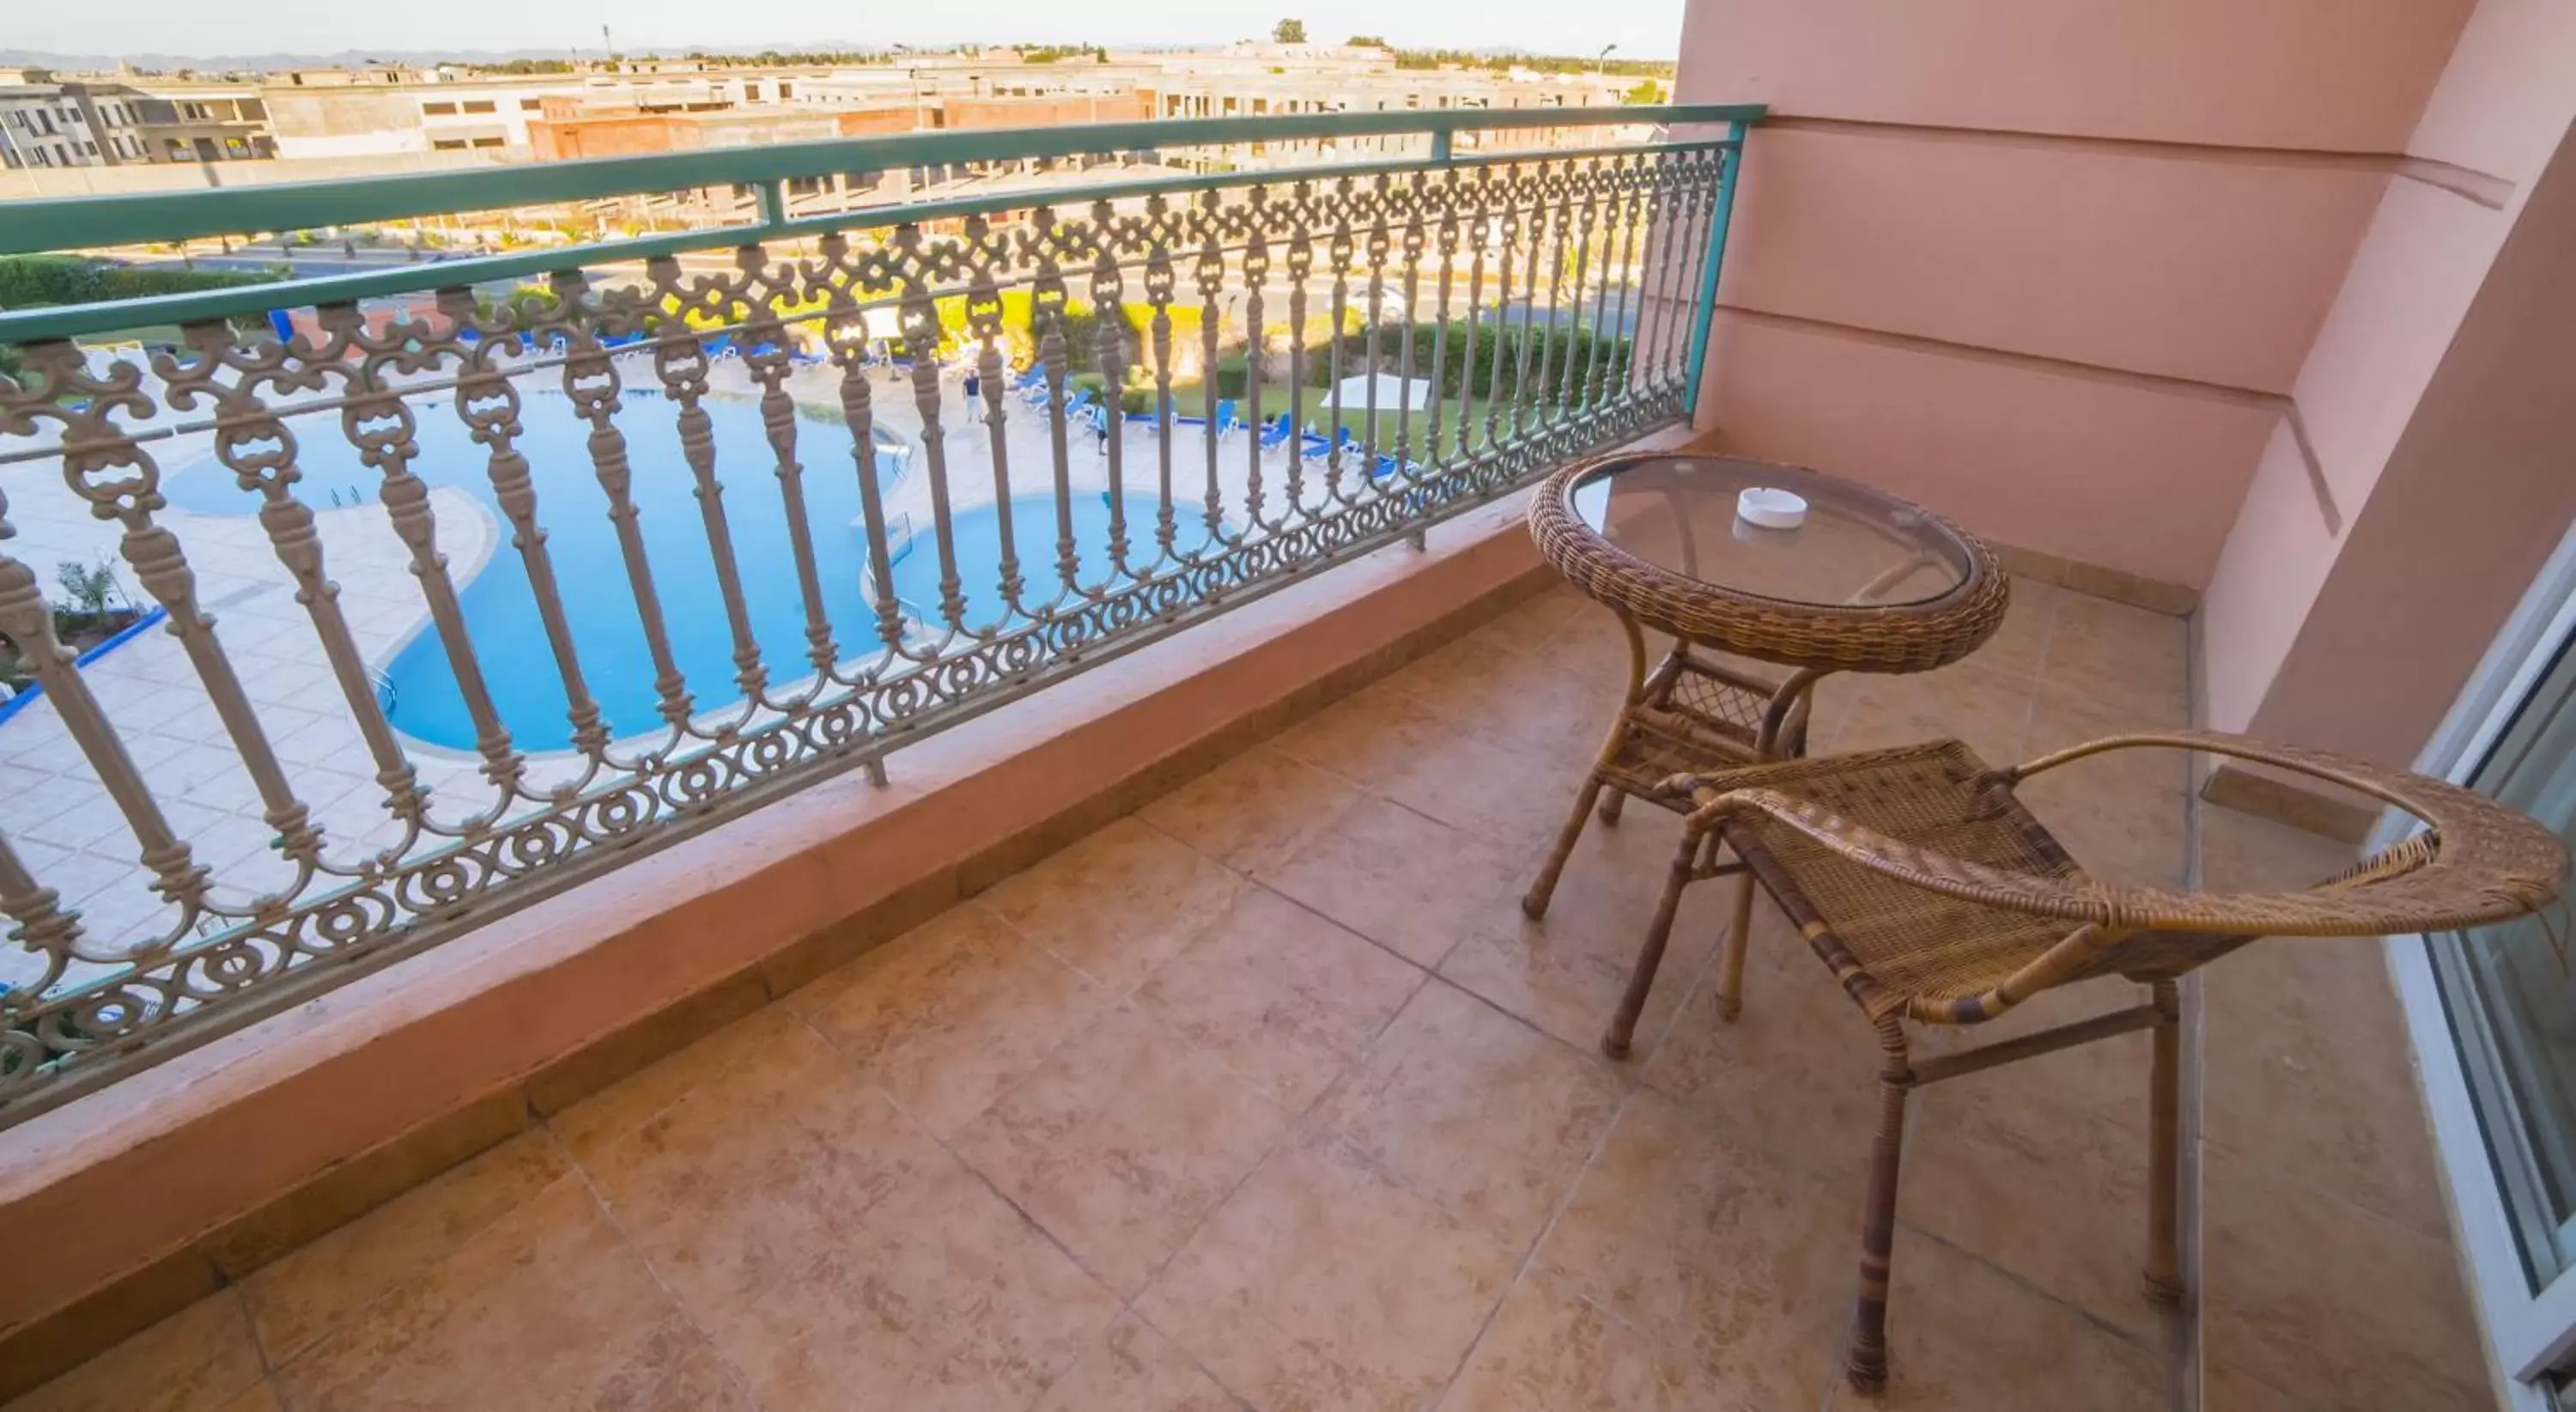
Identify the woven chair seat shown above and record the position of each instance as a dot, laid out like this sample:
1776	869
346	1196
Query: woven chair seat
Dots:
1914	944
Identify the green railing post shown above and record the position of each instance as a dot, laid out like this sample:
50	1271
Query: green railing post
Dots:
1706	314
773	204
1440	145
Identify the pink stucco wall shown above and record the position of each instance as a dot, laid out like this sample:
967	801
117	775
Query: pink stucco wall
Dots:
2213	270
2446	461
2334	75
2471	500
2047	459
2050	268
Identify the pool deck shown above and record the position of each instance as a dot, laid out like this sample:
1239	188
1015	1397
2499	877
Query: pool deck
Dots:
71	833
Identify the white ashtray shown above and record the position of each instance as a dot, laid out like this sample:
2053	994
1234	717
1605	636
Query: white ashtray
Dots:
1771	509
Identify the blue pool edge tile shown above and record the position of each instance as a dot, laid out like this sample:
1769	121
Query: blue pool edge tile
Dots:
123	635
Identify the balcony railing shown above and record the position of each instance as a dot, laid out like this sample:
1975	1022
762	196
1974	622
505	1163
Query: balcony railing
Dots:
756	529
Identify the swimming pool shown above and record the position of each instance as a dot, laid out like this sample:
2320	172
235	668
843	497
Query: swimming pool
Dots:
500	607
1033	535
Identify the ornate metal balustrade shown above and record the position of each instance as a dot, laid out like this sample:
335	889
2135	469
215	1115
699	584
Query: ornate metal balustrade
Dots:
1548	300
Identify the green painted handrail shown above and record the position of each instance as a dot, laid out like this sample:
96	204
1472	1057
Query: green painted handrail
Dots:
79	320
73	223
1704	312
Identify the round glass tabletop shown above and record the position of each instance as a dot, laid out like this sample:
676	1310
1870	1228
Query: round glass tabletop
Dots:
1853	547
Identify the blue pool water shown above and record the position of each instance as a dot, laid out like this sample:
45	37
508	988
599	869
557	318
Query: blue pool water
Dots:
607	630
1033	535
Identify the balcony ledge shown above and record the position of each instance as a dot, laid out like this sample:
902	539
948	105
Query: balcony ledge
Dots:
128	1204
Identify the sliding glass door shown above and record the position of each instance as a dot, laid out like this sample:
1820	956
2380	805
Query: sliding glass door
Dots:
2493	1011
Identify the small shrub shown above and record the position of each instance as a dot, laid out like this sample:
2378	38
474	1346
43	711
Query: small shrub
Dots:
88	587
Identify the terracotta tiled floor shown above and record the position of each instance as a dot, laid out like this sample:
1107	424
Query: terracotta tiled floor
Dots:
1269	1097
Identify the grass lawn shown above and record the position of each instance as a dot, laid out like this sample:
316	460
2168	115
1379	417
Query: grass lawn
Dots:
1189	399
1390	421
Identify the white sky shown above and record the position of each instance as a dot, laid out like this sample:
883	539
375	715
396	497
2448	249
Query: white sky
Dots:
1648	29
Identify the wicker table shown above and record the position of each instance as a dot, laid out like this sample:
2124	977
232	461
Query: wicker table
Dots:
1867	583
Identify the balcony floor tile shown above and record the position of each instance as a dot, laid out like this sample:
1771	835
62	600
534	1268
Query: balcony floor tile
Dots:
1118	904
548	1307
1122	1144
1320	1284
201	1359
950	1016
1282	997
1131	1368
1271	1098
1403	879
1420	1111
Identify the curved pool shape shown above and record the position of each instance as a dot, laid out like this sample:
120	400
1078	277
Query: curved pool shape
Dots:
1034	535
608	637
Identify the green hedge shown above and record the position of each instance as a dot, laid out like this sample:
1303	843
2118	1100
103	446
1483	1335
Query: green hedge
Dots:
1135	401
528	305
1602	361
1232	372
27	280
1459	365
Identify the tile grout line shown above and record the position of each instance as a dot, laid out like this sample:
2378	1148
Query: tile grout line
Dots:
626	1239
1631	1074
1529	1257
1301	1127
1630	1078
1123	999
259	1351
1033	1223
2032	1287
1126	1304
348	1315
1833	1371
2192	1062
2038	674
1250	881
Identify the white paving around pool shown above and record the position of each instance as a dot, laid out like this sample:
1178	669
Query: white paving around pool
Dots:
72	835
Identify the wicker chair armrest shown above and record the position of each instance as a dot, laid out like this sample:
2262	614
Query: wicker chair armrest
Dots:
2398	789
2483	862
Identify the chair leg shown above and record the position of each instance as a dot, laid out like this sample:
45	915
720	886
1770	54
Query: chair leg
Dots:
2164	1151
1610	807
1866	1363
1730	978
1534	902
1623	1025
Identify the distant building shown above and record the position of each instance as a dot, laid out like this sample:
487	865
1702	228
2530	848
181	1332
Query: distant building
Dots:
324	119
127	121
39	127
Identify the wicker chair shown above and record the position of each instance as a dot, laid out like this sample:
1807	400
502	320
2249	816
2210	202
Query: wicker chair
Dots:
1937	899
